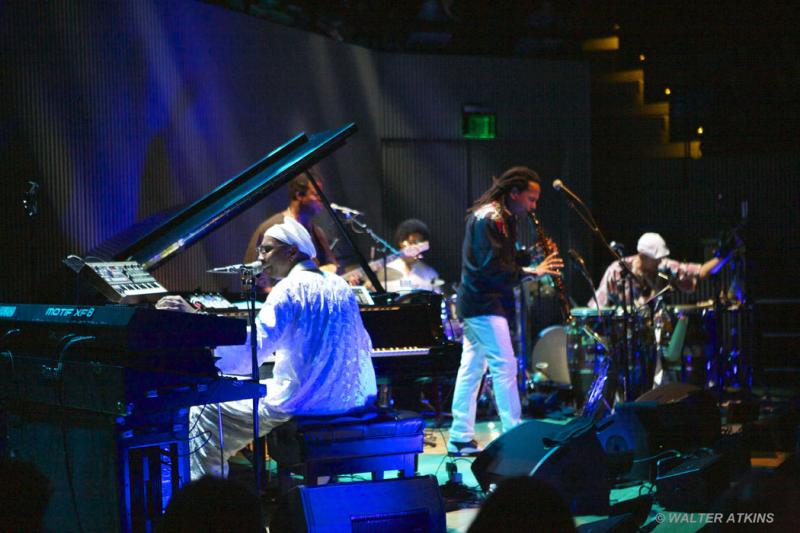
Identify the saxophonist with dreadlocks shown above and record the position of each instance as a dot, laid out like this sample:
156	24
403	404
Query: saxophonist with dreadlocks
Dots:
486	301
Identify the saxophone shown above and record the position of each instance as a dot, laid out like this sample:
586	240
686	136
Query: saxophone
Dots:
566	308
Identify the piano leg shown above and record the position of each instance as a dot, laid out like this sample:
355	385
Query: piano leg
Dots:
385	395
439	402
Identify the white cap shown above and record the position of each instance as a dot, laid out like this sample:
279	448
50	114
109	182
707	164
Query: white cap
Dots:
652	245
292	232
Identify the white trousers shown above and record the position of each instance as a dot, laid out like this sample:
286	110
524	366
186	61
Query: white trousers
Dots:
209	453
487	342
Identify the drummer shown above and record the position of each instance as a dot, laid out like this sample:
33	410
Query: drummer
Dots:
654	270
411	273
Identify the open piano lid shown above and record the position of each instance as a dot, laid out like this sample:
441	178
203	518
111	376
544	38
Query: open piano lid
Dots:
229	199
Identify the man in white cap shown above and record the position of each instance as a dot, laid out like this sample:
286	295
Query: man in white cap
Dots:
323	365
651	260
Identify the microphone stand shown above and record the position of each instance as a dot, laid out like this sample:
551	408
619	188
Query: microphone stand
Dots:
652	359
594	394
383	245
725	345
248	280
247	277
627	276
385	390
577	261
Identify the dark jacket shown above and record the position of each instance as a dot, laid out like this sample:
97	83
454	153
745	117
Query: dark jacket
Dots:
489	270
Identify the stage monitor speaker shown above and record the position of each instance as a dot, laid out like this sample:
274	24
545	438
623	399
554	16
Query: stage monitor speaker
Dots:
390	506
568	457
693	484
676	416
624	523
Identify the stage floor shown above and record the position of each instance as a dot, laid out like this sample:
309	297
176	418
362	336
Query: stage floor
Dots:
463	501
433	462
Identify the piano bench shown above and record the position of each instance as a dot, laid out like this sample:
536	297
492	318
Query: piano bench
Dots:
331	446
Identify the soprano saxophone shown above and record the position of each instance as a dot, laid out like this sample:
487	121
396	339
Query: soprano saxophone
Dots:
566	308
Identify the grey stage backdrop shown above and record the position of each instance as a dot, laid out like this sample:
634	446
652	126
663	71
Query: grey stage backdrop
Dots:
122	110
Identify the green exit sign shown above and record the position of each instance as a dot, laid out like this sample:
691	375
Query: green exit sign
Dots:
478	122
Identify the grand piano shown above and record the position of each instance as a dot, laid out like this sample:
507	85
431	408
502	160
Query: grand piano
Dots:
406	331
117	379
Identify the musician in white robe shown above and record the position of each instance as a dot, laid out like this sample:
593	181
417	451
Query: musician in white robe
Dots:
323	366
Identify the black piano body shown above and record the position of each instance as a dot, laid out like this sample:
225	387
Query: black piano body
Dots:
408	340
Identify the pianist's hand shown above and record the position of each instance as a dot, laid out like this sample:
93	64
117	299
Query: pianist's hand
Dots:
175	303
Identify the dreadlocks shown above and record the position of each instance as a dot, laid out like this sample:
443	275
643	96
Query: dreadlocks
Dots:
515	178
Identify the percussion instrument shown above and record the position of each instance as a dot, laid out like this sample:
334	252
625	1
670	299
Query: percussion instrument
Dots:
589	334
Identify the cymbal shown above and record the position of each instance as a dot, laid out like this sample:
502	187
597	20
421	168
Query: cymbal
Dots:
687	308
582	312
391	274
423	286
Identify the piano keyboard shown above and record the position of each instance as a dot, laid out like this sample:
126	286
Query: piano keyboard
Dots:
406	362
400	351
379	352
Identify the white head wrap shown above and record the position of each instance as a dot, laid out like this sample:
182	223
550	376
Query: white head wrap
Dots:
292	232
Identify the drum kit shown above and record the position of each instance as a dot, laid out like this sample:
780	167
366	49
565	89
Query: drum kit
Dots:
588	354
667	343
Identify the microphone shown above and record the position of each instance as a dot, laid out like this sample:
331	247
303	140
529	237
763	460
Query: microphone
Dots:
574	201
577	257
581	264
559	186
346	211
257	267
